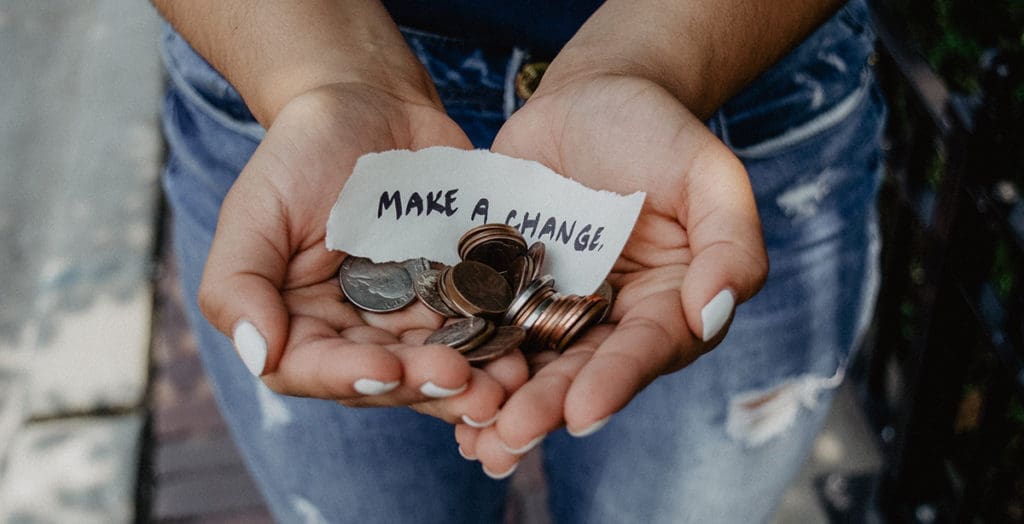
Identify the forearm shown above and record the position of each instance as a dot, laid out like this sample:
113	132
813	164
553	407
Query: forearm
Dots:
703	52
272	51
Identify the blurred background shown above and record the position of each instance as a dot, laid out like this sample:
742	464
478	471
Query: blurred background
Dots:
105	415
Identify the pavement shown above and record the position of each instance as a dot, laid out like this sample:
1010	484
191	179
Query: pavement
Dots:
80	212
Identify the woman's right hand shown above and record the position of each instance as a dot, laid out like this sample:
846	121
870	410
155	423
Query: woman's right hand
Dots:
271	284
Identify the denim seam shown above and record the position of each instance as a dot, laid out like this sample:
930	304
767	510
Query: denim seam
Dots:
816	125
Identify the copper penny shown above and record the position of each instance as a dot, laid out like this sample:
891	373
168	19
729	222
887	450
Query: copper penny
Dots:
461	333
505	339
525	295
478	289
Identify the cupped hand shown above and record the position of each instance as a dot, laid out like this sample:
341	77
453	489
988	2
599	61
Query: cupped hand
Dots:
271	284
695	252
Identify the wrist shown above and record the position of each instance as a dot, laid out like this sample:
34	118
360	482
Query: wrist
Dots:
389	72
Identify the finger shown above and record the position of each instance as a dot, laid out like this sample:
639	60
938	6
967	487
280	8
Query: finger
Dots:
538	407
245	270
465	436
414	316
477	406
495	461
649	341
429	373
729	262
319	363
511	371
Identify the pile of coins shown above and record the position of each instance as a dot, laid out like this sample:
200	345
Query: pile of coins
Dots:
497	286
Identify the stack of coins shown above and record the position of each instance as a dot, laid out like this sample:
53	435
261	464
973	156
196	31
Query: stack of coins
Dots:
550	320
498	281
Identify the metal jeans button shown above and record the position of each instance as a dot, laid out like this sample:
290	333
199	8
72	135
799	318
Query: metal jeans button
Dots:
528	78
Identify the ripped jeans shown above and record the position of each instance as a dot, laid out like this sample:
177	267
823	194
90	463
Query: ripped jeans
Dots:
718	441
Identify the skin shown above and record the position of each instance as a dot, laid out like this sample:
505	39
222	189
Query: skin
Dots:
620	108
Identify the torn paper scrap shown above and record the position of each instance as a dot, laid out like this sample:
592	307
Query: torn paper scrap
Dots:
403	204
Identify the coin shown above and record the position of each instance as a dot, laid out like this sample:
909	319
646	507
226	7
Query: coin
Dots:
498	253
536	254
425	286
486	232
505	339
415	266
519	274
589	317
477	288
379	288
524	296
462	333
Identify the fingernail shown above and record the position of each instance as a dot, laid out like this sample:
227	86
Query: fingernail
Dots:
251	346
500	476
716	313
465	455
484	424
519	451
368	386
591	429
434	391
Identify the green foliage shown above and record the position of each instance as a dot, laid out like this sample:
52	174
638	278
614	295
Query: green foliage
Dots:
953	34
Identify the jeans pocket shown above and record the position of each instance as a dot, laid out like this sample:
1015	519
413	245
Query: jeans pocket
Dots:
204	89
824	75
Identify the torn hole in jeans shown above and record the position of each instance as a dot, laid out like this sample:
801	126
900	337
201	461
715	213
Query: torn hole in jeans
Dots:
755	417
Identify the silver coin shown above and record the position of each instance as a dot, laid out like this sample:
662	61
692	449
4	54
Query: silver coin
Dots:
525	295
379	288
425	286
415	266
459	333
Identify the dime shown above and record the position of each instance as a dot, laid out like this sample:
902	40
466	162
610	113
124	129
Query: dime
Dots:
379	288
462	333
505	339
476	288
425	286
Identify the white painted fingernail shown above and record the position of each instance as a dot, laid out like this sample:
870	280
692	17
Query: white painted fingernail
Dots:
434	391
499	476
716	313
484	424
368	386
519	451
251	346
464	455
591	429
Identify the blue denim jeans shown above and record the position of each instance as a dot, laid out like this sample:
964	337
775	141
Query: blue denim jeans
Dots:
716	442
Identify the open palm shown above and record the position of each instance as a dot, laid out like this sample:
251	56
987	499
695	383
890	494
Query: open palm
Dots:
269	267
698	237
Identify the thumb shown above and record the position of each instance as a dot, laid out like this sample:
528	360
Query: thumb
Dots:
729	263
240	290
